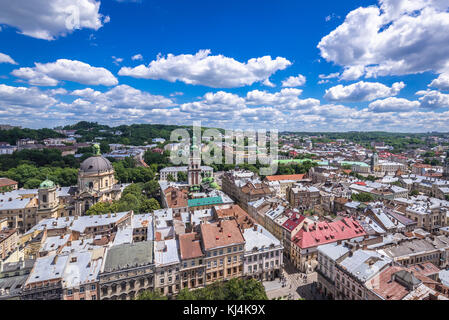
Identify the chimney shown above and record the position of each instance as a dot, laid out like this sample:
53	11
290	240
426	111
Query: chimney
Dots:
255	227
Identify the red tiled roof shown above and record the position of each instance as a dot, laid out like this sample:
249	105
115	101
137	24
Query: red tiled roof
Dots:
190	246
234	210
393	290
421	165
4	182
221	234
293	221
286	177
326	232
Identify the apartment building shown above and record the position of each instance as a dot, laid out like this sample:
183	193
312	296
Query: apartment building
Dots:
192	267
353	272
127	271
263	257
223	244
311	235
167	266
304	197
9	239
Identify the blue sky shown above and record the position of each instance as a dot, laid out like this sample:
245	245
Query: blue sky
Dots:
355	65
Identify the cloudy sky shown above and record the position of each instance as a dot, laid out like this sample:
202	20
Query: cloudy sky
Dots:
290	65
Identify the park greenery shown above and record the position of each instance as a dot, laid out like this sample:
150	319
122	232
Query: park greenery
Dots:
362	197
234	289
12	135
135	197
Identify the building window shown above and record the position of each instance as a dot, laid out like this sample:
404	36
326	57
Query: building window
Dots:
69	292
81	289
94	297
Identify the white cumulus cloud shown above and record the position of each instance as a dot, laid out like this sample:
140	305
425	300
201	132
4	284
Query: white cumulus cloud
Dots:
442	82
292	81
208	70
433	99
396	37
137	57
47	20
362	91
393	104
4	58
49	74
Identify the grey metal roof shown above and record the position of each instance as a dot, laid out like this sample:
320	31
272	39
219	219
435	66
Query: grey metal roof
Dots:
365	264
96	164
127	255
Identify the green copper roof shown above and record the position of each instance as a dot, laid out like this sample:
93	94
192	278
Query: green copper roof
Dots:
204	201
46	184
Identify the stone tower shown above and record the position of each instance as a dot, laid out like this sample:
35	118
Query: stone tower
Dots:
446	167
374	162
194	168
48	200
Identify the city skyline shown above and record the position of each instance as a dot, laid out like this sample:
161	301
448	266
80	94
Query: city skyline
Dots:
316	67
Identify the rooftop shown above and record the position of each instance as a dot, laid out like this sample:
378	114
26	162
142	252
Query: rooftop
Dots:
221	234
128	255
190	246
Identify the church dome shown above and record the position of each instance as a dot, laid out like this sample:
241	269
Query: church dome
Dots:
96	164
46	184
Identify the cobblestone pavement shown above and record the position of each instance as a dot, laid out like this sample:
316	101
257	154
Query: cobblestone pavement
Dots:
296	285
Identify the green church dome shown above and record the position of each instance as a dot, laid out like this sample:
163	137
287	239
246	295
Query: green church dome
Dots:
47	184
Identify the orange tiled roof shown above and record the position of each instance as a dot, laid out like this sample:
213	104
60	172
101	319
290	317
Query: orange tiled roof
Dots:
235	211
190	246
286	177
221	234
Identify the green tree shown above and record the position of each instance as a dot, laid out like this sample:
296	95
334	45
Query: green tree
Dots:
99	208
186	294
414	192
151	188
151	295
104	147
32	183
362	197
149	205
182	176
170	178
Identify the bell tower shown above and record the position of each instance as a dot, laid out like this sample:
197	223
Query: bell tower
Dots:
446	167
48	200
194	168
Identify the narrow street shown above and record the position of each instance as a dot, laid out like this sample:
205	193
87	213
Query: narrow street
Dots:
295	285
